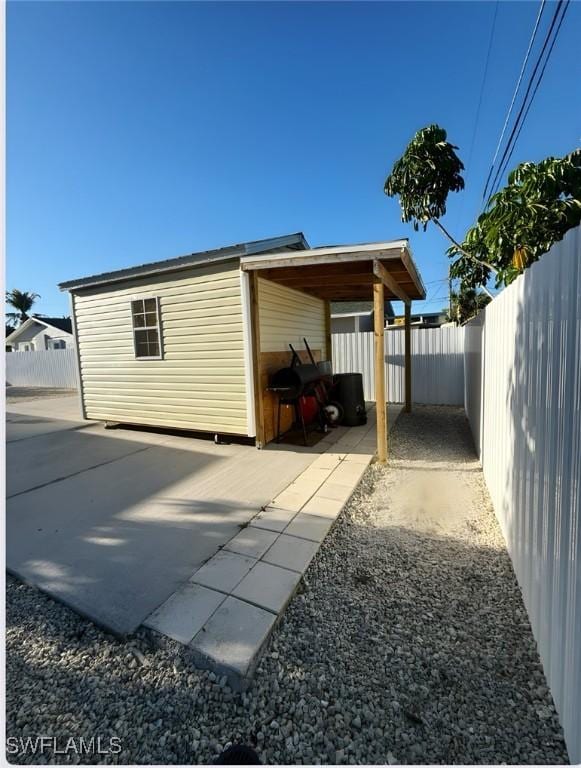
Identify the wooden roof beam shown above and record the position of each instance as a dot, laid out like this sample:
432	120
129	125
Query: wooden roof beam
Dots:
386	278
347	280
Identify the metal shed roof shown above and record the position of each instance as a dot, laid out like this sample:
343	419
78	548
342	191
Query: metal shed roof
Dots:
344	272
288	242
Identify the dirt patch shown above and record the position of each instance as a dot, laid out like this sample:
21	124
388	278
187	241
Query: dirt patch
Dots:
20	394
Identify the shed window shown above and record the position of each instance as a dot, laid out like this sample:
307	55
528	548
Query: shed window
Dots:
146	327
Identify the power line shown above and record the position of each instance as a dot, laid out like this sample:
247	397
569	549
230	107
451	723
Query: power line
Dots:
565	7
511	144
482	84
520	77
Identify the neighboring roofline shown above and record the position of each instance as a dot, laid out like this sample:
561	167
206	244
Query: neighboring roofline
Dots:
421	314
352	314
201	258
27	324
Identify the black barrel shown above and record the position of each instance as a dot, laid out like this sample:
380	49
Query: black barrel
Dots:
349	392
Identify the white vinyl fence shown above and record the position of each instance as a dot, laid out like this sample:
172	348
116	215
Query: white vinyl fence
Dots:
523	401
46	368
437	364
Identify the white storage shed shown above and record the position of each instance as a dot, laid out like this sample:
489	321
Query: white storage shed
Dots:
191	342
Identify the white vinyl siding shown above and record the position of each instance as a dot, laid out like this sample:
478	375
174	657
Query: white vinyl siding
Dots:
288	316
199	384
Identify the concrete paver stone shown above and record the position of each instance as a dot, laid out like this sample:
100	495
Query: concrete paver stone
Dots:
224	571
184	613
268	586
291	500
323	507
348	473
251	541
336	491
291	552
273	519
233	637
362	457
328	460
310	527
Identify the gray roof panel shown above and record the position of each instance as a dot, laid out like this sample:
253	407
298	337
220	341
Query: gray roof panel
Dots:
296	241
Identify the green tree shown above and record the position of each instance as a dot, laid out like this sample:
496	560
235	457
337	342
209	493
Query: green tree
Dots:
465	304
540	203
22	302
423	177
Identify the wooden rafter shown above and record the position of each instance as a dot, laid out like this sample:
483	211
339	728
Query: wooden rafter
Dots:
387	279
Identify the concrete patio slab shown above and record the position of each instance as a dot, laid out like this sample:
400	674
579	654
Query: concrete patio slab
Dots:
232	639
184	614
291	552
224	571
268	586
309	527
32	464
113	522
273	519
252	542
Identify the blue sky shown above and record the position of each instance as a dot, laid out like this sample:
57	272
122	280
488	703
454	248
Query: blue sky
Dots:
141	131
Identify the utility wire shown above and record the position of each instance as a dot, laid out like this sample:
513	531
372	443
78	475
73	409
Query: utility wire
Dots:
510	146
503	168
482	84
514	95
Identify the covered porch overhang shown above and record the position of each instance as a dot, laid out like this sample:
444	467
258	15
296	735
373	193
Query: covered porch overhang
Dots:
380	271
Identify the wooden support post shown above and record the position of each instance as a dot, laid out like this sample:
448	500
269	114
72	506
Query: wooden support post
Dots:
408	357
328	340
256	368
380	406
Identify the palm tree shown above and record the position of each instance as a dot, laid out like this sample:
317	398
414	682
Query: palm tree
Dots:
22	302
465	303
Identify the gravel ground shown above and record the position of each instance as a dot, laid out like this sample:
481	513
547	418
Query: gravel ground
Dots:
407	642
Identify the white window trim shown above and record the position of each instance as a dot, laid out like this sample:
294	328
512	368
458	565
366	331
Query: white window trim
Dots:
134	328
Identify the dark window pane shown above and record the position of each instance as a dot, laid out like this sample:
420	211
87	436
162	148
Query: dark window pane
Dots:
146	331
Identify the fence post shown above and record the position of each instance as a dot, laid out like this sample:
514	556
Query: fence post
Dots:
408	357
378	337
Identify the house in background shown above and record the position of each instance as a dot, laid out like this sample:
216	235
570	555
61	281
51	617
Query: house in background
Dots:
421	320
355	316
41	333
